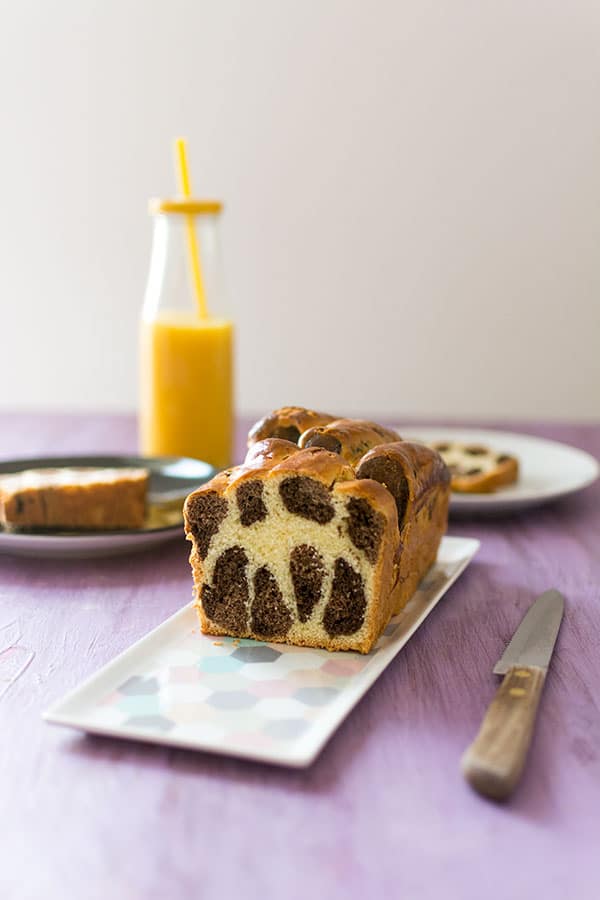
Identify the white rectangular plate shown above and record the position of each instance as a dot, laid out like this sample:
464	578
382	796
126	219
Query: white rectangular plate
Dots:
263	701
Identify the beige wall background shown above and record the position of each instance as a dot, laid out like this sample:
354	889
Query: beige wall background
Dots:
412	191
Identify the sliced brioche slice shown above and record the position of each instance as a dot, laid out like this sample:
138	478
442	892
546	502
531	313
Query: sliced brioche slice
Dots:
477	469
298	546
294	548
74	499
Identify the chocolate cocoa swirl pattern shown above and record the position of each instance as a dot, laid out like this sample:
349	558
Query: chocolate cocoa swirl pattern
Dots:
322	580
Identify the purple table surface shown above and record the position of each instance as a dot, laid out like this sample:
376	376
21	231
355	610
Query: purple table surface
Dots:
383	811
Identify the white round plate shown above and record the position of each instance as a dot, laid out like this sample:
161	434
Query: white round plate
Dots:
547	470
171	479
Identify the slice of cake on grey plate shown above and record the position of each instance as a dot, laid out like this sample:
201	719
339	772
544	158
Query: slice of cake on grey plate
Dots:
75	499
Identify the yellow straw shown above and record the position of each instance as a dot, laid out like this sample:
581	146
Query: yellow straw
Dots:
186	190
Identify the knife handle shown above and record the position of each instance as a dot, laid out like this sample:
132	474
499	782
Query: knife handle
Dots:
494	761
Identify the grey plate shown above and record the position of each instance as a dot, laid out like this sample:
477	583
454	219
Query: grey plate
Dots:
171	479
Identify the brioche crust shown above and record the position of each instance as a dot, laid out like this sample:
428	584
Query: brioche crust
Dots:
287	422
351	438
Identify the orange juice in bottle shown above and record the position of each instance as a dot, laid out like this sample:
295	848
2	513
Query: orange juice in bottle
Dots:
186	390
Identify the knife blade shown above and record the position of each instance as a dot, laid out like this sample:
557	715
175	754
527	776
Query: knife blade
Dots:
533	641
495	760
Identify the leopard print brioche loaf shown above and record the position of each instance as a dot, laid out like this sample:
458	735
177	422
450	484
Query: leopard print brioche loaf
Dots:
312	546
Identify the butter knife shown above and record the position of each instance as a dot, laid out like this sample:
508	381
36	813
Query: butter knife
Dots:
494	762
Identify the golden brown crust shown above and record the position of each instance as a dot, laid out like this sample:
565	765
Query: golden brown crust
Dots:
351	438
287	422
268	452
316	463
218	484
261	458
420	539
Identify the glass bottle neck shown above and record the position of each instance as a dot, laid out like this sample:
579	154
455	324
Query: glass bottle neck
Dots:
171	285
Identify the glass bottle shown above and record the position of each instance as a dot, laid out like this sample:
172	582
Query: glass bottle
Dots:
186	372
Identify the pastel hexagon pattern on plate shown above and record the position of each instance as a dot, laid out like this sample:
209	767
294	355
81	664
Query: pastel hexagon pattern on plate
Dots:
215	665
343	668
302	659
186	693
138	684
184	713
316	696
232	719
312	678
262	671
275	688
140	704
154	723
183	674
280	708
286	729
259	653
225	681
232	700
